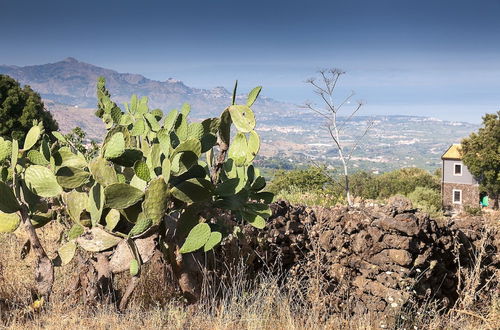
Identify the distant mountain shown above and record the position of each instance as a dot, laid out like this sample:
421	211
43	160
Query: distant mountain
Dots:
290	137
73	83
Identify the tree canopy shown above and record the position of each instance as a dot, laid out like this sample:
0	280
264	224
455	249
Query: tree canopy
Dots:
481	154
19	107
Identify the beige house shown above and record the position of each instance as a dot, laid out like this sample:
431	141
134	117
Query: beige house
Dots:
459	188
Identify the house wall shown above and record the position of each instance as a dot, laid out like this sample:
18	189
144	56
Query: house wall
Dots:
449	177
470	195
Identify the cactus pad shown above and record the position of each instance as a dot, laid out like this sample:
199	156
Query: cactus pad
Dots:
197	238
102	172
65	157
75	202
142	171
128	158
193	190
155	200
8	201
112	219
97	240
42	182
96	203
37	158
115	146
143	223
5	149
214	239
121	195
9	222
75	231
134	267
67	252
238	149
253	146
32	137
242	117
72	177
254	219
252	96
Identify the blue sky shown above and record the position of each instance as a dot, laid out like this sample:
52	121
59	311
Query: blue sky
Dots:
432	58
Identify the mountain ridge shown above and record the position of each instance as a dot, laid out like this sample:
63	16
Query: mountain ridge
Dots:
73	82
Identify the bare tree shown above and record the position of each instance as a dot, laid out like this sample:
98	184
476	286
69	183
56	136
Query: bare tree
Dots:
335	125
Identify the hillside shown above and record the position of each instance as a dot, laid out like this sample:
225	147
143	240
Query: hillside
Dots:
291	137
73	83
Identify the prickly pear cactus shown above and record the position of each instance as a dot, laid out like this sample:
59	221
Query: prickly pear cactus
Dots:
151	166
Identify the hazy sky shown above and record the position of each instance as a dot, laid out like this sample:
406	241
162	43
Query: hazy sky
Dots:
436	58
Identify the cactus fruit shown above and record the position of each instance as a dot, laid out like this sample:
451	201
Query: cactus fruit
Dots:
9	222
196	239
42	182
121	195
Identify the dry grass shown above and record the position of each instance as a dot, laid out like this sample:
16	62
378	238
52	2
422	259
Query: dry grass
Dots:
243	305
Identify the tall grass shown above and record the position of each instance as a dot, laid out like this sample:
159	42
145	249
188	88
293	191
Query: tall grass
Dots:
260	302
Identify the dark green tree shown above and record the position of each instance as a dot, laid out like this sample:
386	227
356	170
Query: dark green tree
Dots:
19	107
481	154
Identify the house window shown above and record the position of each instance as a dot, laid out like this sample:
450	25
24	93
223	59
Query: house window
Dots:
457	196
457	169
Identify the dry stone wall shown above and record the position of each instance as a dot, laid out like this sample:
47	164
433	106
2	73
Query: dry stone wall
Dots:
376	259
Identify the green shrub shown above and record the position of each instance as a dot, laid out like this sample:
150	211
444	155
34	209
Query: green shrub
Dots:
311	179
426	199
471	210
